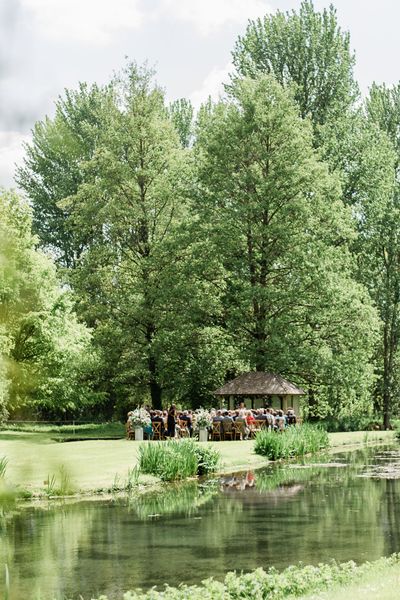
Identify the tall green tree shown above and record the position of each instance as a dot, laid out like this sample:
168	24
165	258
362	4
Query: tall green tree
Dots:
181	112
53	169
382	247
142	279
306	50
46	354
363	157
283	233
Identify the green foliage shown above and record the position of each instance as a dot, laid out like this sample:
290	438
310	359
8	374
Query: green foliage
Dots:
208	459
284	237
352	422
293	441
120	222
181	113
198	252
305	50
45	352
295	581
172	460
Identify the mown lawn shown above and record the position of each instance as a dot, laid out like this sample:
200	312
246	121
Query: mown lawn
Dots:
379	585
95	464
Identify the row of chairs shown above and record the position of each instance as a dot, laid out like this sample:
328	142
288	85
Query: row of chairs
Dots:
236	430
158	430
221	430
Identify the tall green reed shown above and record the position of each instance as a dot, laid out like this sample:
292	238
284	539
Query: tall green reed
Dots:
294	441
176	459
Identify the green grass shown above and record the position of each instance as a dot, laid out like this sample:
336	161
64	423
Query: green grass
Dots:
382	583
65	432
293	441
95	464
177	459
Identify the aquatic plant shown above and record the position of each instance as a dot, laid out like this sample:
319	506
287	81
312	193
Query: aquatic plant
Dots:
177	459
59	486
293	441
3	466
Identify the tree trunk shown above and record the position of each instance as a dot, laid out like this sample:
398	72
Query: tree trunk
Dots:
155	388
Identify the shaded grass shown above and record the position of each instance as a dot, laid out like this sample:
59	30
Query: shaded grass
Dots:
64	432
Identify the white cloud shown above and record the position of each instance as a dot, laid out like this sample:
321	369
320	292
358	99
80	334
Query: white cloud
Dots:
91	21
11	153
212	85
207	16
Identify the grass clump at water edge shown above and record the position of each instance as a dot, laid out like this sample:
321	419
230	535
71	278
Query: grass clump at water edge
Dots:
293	441
173	460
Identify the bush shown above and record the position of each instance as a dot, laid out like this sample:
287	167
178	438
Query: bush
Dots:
208	459
175	459
351	423
294	441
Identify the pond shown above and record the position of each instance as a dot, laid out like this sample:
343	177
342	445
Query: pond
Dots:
345	507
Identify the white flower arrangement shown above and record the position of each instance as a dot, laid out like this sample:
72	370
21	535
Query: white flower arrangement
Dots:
139	418
203	418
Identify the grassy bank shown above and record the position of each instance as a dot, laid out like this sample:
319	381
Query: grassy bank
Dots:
77	431
382	582
101	464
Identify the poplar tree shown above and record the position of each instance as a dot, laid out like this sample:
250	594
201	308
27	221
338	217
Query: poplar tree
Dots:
305	50
283	234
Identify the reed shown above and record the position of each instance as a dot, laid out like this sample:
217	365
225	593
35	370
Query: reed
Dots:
3	466
176	459
294	441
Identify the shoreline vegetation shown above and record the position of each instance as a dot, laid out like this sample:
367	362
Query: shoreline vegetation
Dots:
40	467
369	581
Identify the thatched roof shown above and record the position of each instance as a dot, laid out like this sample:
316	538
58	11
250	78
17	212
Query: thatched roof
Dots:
258	383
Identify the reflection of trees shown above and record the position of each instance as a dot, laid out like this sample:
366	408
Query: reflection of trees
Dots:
390	515
40	546
313	514
288	515
185	498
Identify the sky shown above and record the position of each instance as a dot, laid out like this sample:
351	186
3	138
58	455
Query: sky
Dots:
49	45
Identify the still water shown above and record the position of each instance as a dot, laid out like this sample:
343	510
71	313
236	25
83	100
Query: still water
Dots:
310	512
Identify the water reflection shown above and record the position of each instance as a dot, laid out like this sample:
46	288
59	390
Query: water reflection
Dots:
309	512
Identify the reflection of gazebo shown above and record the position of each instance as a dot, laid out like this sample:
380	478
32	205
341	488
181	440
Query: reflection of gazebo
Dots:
262	389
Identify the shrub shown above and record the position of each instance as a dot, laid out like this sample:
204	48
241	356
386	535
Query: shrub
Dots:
175	459
208	459
294	441
351	423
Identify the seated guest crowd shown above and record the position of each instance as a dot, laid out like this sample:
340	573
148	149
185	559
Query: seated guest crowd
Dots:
242	422
254	419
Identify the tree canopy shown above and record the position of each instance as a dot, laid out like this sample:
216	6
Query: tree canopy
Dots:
260	233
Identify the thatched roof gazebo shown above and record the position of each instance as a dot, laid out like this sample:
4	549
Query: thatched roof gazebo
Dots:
261	388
